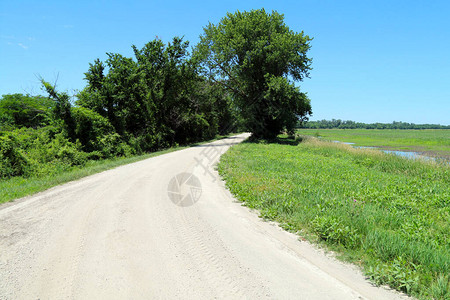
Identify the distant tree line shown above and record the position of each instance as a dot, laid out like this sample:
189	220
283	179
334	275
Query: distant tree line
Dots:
325	124
239	77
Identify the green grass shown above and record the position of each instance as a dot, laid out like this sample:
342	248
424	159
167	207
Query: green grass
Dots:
386	213
434	142
17	187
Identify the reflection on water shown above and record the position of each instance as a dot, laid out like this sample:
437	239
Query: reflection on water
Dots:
407	154
343	142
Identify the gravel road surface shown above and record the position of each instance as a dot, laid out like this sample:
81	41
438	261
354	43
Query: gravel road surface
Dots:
161	228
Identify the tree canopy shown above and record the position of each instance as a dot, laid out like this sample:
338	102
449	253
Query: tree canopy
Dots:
258	59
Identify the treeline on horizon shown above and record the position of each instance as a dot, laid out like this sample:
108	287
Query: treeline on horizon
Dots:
339	124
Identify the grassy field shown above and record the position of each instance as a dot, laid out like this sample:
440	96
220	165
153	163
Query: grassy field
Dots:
430	142
385	213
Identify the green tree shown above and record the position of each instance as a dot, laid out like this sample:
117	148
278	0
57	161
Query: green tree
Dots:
62	108
167	76
258	58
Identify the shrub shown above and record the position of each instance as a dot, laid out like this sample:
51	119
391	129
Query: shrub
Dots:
112	145
90	128
12	161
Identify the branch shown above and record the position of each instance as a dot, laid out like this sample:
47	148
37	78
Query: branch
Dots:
238	91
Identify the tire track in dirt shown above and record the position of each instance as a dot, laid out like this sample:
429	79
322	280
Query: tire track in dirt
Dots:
220	269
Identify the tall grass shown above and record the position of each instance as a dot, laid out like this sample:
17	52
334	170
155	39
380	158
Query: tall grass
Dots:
387	213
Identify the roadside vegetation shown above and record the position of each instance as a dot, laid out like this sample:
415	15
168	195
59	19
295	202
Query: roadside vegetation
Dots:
431	142
385	213
240	76
131	108
21	186
46	141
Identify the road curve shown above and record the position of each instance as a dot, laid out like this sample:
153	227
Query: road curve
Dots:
163	228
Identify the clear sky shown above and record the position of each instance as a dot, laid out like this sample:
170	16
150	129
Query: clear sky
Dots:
374	61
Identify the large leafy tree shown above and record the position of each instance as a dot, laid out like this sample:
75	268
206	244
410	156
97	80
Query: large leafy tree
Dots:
258	59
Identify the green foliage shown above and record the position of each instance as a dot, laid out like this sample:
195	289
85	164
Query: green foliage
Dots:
285	103
161	97
253	54
157	100
19	110
128	107
112	145
387	213
332	230
399	274
171	81
12	161
91	128
62	109
33	152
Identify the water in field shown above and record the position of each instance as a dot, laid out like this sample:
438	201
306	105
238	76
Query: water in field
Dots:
406	154
347	143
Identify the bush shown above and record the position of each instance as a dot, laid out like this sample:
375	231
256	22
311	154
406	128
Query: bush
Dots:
12	161
90	128
35	152
112	145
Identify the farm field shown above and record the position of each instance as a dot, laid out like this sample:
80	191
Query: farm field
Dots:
430	142
385	213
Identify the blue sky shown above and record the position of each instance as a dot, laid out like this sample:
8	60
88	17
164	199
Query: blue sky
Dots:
374	61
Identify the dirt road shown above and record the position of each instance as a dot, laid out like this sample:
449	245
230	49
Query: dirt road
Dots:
163	228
